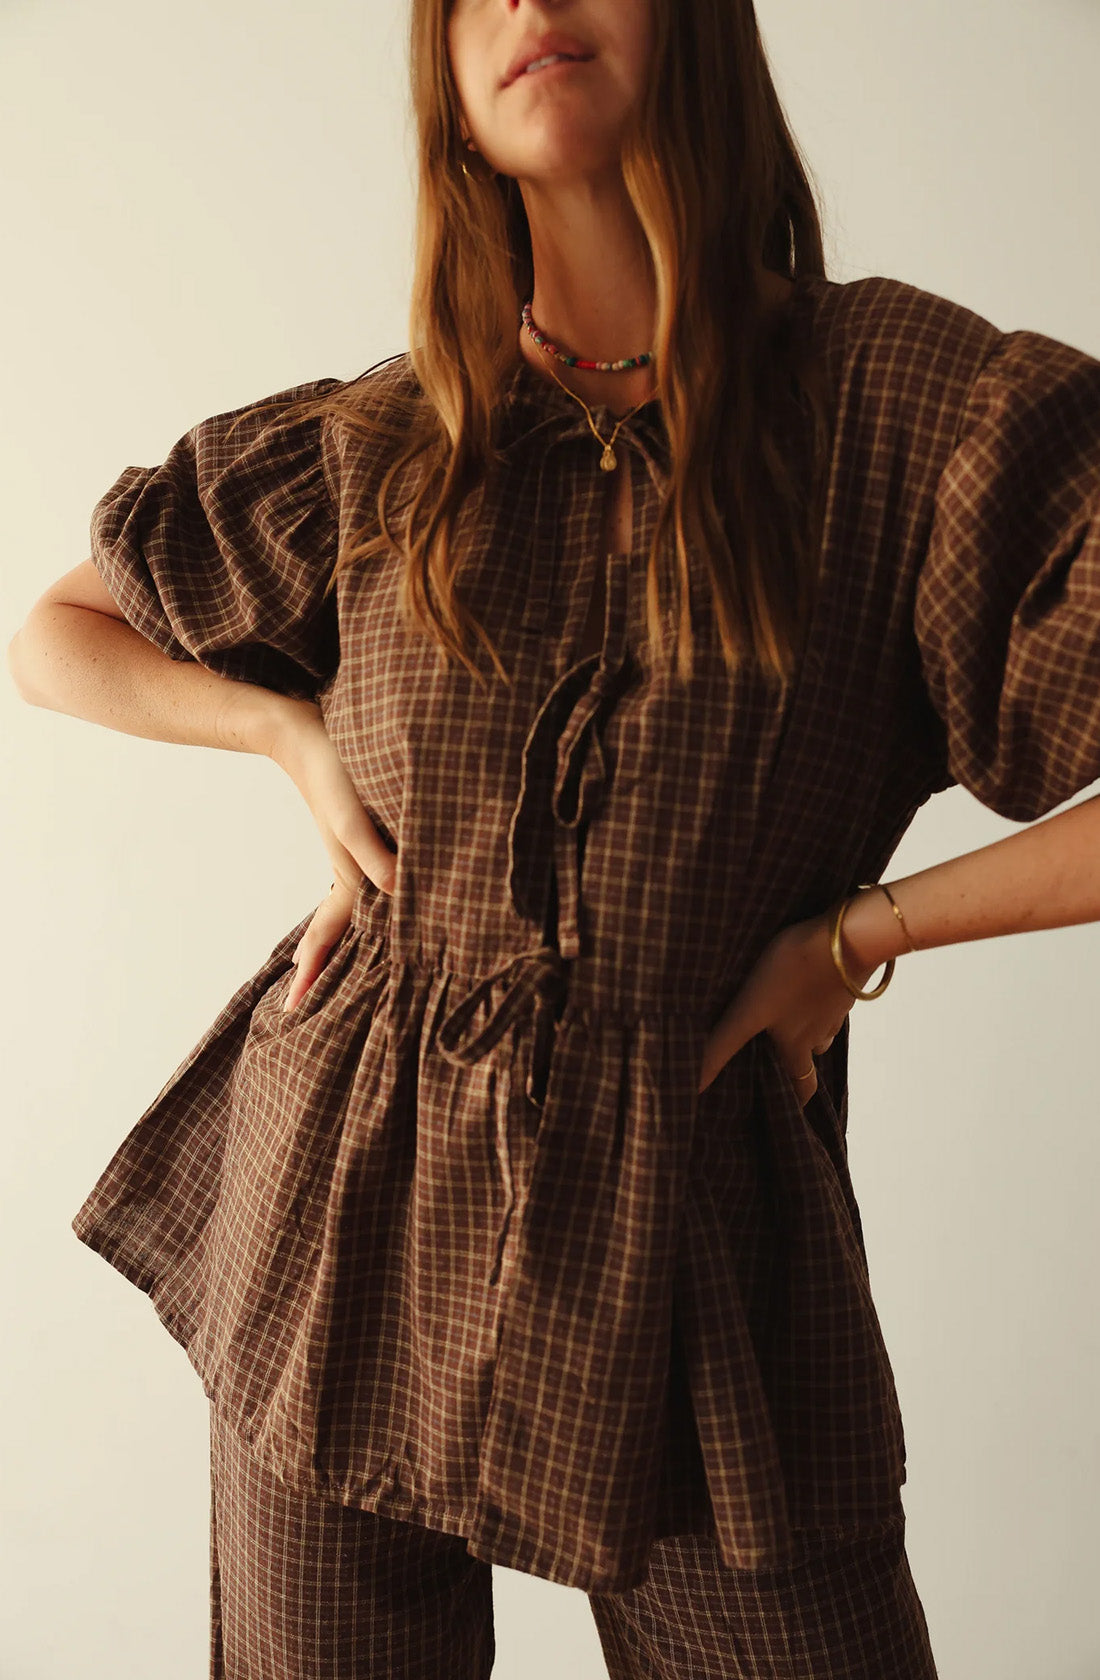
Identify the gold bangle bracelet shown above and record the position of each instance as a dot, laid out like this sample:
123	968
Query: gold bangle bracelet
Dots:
895	907
838	960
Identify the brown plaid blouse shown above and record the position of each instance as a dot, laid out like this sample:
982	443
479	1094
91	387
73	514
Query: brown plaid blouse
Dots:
456	1239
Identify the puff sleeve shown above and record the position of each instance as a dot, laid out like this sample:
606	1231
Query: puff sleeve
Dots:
222	553
1007	604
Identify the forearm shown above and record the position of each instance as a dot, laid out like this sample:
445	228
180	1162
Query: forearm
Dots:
1046	875
89	665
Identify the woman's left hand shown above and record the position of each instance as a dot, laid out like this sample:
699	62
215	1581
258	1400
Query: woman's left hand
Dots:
793	992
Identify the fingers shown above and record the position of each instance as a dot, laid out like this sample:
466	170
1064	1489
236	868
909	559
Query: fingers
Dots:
802	1067
799	1063
303	978
366	850
351	839
329	922
328	925
794	1061
331	919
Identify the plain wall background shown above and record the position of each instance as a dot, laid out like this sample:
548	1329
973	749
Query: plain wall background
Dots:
202	206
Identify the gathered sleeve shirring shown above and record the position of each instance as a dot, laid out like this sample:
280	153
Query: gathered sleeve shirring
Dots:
221	555
1007	605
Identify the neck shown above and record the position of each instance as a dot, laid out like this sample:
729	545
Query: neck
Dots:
595	293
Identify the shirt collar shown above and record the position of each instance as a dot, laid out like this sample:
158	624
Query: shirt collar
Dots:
532	403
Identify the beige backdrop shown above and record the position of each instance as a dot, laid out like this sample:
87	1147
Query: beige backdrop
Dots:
202	206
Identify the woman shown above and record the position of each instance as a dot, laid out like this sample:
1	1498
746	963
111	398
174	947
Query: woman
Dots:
505	1211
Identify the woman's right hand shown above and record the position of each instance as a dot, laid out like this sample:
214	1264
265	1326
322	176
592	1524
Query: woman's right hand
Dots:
300	745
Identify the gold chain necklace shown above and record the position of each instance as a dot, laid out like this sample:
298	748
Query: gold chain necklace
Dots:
608	460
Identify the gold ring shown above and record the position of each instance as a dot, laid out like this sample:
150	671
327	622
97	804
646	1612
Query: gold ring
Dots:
809	1074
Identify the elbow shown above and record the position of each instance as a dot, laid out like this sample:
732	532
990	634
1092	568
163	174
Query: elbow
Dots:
21	674
14	666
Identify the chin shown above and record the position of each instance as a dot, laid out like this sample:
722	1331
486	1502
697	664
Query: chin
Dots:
559	165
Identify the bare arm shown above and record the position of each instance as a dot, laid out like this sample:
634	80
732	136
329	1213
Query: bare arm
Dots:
76	654
1046	875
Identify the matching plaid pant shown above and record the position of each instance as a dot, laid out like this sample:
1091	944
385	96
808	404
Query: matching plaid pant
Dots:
302	1589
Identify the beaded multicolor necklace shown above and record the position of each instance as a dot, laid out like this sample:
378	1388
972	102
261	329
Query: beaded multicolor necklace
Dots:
578	361
608	460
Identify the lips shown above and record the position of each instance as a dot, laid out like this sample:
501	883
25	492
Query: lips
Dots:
543	47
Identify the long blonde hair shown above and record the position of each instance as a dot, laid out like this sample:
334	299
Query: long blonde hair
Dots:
720	190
